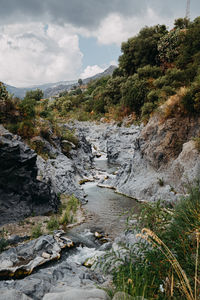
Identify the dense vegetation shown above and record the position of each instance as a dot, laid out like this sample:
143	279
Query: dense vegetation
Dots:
154	65
163	262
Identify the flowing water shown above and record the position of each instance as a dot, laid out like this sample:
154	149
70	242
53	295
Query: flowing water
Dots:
107	210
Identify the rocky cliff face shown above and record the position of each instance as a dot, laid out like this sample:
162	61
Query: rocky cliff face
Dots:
64	173
21	194
163	160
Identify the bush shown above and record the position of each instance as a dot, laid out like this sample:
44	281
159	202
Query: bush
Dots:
197	143
149	72
3	241
140	269
147	109
70	210
53	224
134	93
34	95
26	129
37	231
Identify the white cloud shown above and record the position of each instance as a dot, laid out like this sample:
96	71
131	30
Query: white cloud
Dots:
32	54
116	28
91	71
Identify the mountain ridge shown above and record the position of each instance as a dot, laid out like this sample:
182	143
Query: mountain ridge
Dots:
52	89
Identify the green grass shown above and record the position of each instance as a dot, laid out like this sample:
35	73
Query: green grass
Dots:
36	231
165	255
53	224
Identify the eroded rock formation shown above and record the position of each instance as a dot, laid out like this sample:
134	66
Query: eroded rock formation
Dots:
21	194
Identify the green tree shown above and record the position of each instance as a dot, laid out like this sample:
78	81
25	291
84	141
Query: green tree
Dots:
80	81
190	49
141	50
134	93
34	94
181	23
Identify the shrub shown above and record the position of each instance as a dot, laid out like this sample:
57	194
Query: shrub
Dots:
70	210
149	72
134	93
3	241
158	270
34	95
147	109
53	224
26	129
36	231
197	143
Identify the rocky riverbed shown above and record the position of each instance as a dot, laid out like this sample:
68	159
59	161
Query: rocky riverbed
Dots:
130	161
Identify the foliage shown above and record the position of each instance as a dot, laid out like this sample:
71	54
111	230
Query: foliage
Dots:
3	241
181	23
36	231
149	71
34	95
53	224
134	93
197	143
70	210
169	46
141	50
167	268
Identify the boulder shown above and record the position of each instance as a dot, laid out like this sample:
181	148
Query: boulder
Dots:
22	260
21	194
73	293
12	294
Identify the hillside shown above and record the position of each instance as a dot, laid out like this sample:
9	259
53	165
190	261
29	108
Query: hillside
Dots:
53	89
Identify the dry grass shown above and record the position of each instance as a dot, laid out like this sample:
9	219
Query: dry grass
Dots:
173	105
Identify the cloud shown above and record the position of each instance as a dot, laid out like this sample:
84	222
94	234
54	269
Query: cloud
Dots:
89	13
34	53
91	71
116	28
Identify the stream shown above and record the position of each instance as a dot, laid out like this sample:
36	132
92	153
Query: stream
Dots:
106	213
107	210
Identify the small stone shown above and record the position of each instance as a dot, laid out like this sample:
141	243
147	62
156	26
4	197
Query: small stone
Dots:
46	255
98	235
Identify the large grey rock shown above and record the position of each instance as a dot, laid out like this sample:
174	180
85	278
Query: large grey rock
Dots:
6	294
154	165
21	194
78	293
23	259
63	172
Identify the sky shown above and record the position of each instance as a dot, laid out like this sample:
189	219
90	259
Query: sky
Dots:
45	41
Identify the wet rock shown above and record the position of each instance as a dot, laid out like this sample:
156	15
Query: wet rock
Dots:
73	293
7	294
16	239
21	194
106	246
22	260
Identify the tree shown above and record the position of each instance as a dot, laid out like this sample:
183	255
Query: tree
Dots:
181	23
34	94
80	81
141	50
169	46
134	93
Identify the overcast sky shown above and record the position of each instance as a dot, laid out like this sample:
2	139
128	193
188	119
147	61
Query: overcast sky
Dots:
52	40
